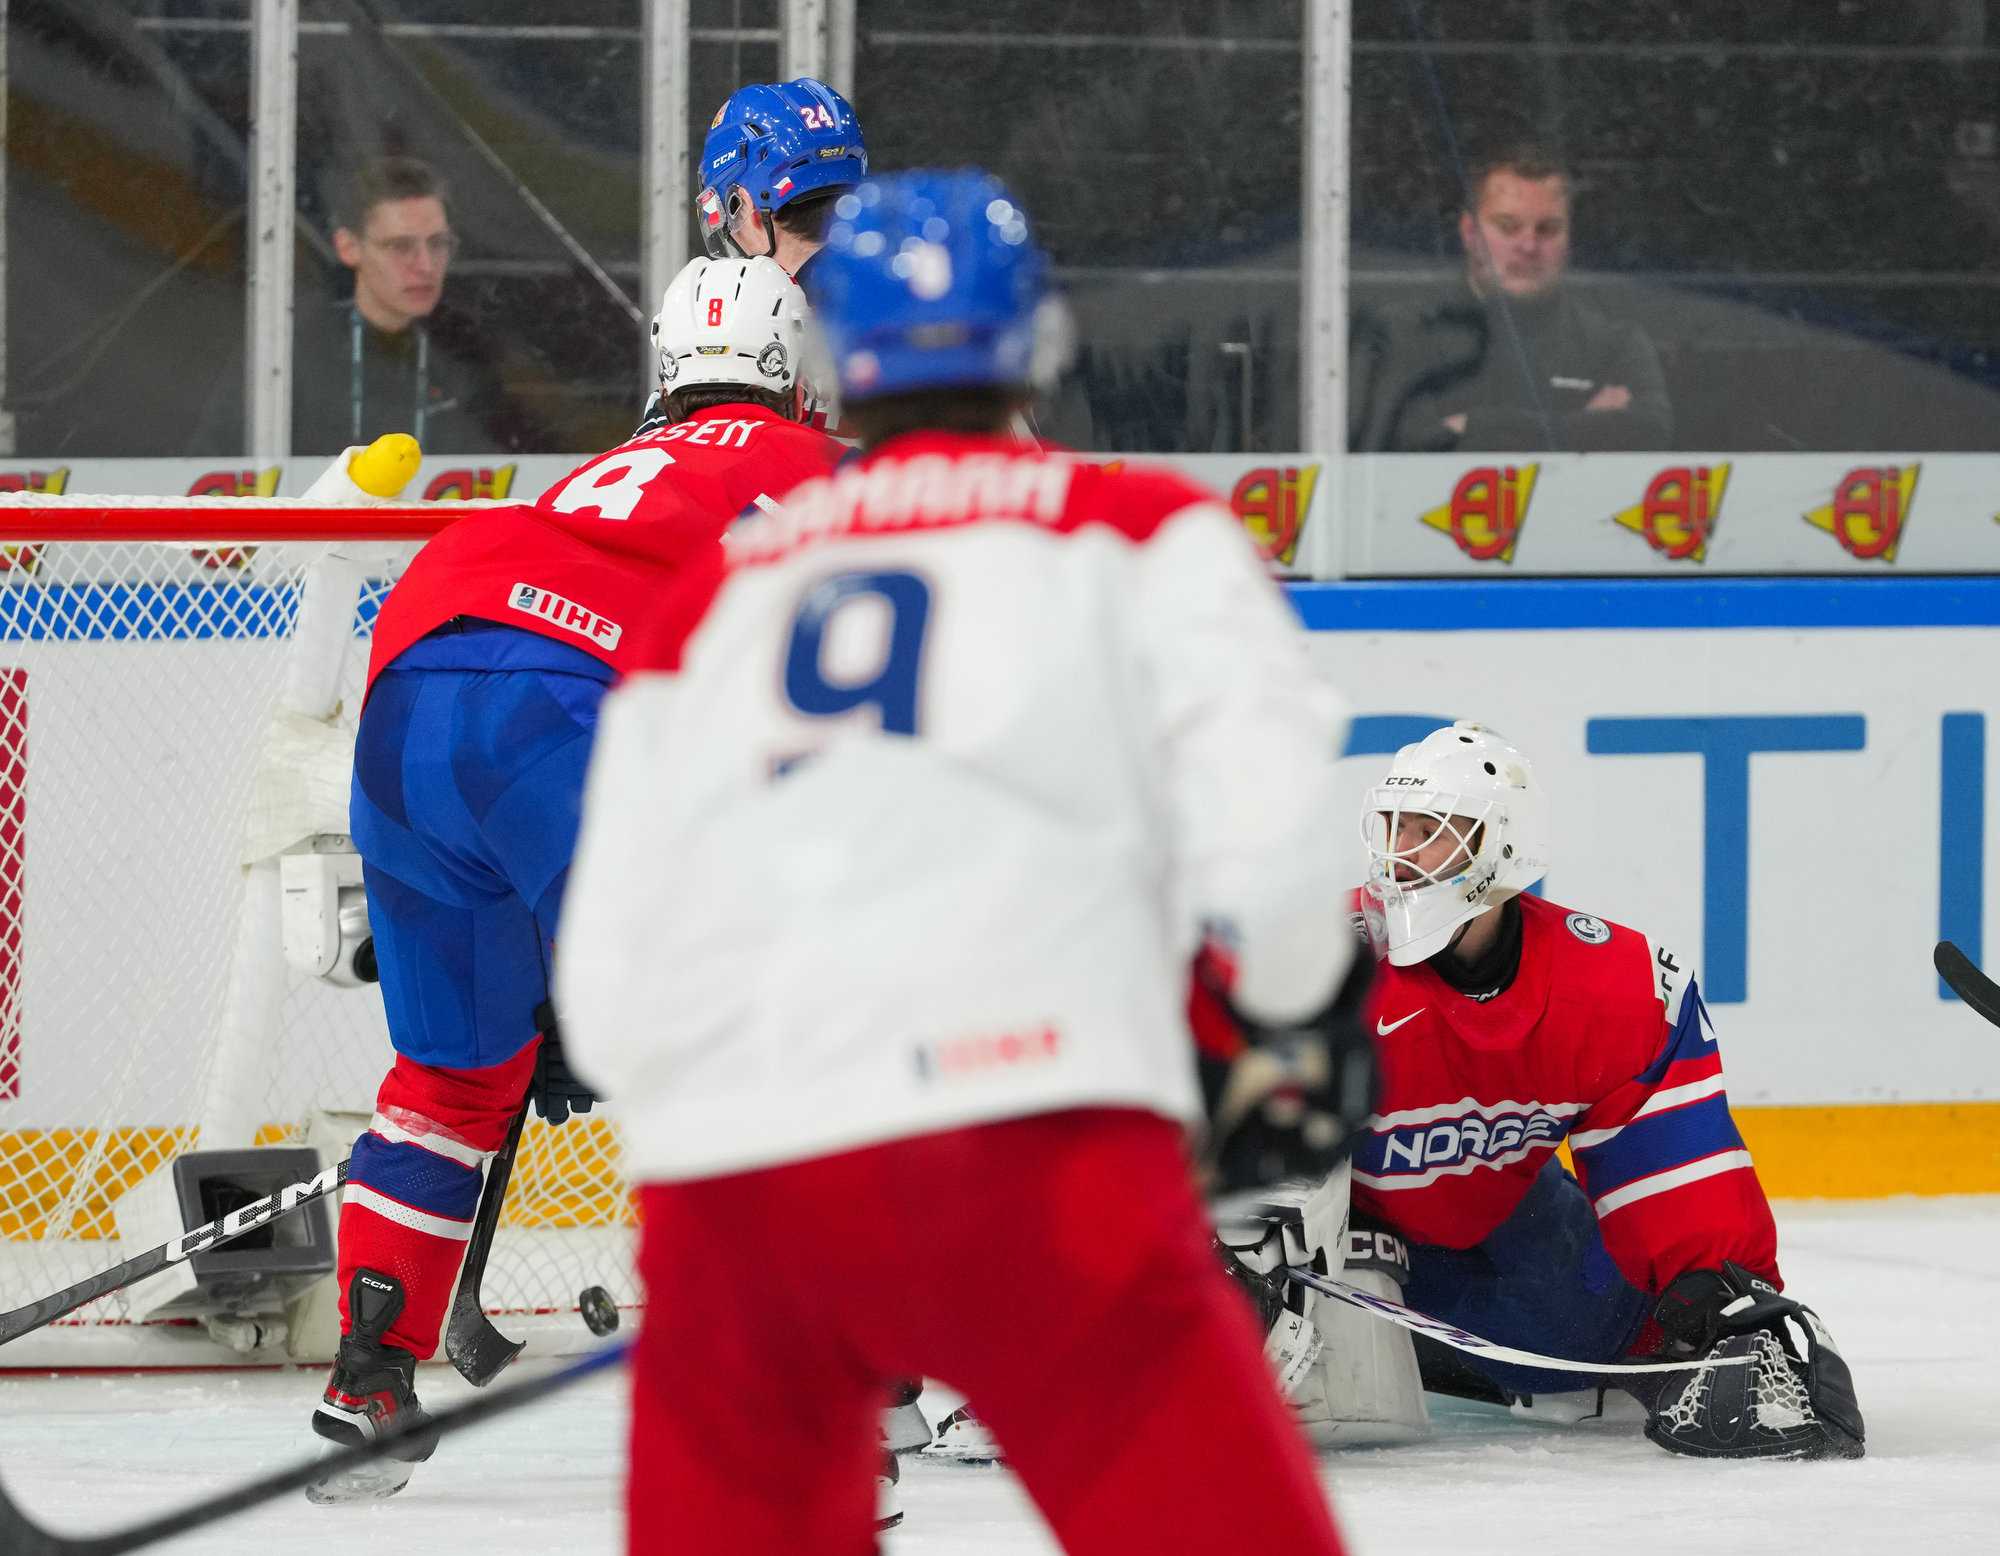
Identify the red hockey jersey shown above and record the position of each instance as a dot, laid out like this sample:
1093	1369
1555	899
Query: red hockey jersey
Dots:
596	553
1602	1039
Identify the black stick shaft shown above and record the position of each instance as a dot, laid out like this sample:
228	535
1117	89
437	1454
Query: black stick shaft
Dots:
201	1239
21	1536
471	1343
1967	981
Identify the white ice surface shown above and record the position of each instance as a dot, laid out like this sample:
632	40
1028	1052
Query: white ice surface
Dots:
1909	1287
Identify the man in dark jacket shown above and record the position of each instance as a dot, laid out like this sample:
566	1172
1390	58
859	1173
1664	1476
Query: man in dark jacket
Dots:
369	364
1511	359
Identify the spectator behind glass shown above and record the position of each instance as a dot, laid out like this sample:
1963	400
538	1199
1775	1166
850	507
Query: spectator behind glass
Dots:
1510	358
366	365
390	375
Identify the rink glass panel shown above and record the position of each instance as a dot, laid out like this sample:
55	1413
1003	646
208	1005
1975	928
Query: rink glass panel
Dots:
1158	149
1799	202
553	88
125	233
135	683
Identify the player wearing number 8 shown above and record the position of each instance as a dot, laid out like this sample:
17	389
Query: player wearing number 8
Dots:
490	658
897	843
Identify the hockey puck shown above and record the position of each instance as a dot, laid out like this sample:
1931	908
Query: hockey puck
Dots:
600	1313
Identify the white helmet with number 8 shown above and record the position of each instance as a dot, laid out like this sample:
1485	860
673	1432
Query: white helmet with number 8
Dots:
1458	826
732	321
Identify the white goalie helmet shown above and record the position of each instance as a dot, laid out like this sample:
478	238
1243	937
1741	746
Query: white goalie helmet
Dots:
733	321
1458	825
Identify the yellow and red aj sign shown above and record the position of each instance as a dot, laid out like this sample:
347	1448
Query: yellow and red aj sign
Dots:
1678	514
1273	504
1487	510
1870	508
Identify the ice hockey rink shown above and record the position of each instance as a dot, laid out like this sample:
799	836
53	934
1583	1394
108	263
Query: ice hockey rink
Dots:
1908	1287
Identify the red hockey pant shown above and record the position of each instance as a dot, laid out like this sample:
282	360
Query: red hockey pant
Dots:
414	1179
1057	1269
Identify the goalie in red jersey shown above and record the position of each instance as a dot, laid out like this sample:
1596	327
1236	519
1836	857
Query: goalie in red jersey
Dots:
1507	1025
490	658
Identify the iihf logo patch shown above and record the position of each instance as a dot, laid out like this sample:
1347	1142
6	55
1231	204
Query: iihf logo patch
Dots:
1591	931
567	614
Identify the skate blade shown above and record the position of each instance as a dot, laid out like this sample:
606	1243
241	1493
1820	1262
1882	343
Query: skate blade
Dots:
366	1483
888	1507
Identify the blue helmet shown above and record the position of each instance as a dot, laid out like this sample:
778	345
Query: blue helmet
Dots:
932	280
771	144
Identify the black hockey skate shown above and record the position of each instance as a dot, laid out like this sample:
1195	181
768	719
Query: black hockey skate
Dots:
372	1391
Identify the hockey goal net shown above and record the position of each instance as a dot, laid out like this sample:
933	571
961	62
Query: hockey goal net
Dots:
154	655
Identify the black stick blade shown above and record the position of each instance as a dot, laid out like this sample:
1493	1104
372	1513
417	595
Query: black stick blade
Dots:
471	1343
1967	981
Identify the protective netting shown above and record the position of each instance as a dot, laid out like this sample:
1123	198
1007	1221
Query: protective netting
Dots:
136	682
1778	1394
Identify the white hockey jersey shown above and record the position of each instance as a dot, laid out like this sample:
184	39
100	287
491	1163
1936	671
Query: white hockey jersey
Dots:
922	822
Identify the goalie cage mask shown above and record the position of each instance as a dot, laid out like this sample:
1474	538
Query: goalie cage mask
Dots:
1481	791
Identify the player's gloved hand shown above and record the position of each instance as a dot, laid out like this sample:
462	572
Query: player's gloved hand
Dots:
1295	1102
1792	1398
557	1092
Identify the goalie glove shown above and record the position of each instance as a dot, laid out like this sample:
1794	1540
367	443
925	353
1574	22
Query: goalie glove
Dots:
1793	1398
556	1090
1294	1101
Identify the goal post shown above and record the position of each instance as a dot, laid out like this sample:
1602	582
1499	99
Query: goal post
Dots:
179	680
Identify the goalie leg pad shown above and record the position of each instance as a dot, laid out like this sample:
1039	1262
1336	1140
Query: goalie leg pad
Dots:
1352	1379
1366	1389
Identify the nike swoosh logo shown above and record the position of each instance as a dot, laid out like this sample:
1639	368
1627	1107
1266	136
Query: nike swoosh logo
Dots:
1383	1031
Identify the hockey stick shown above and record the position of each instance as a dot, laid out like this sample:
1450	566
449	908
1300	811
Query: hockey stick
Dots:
1460	1339
200	1240
20	1535
1967	981
474	1346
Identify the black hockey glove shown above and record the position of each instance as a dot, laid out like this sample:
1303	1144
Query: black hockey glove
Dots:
1294	1104
557	1092
1793	1398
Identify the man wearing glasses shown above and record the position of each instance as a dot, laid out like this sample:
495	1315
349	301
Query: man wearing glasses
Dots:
391	376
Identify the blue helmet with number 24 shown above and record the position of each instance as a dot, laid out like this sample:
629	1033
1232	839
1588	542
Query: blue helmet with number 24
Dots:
933	280
1457	825
769	145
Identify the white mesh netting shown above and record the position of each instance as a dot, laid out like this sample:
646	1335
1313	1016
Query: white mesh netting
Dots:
136	680
1778	1394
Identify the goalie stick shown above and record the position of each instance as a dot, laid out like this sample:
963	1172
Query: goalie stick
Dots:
1463	1340
1967	981
200	1239
20	1535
